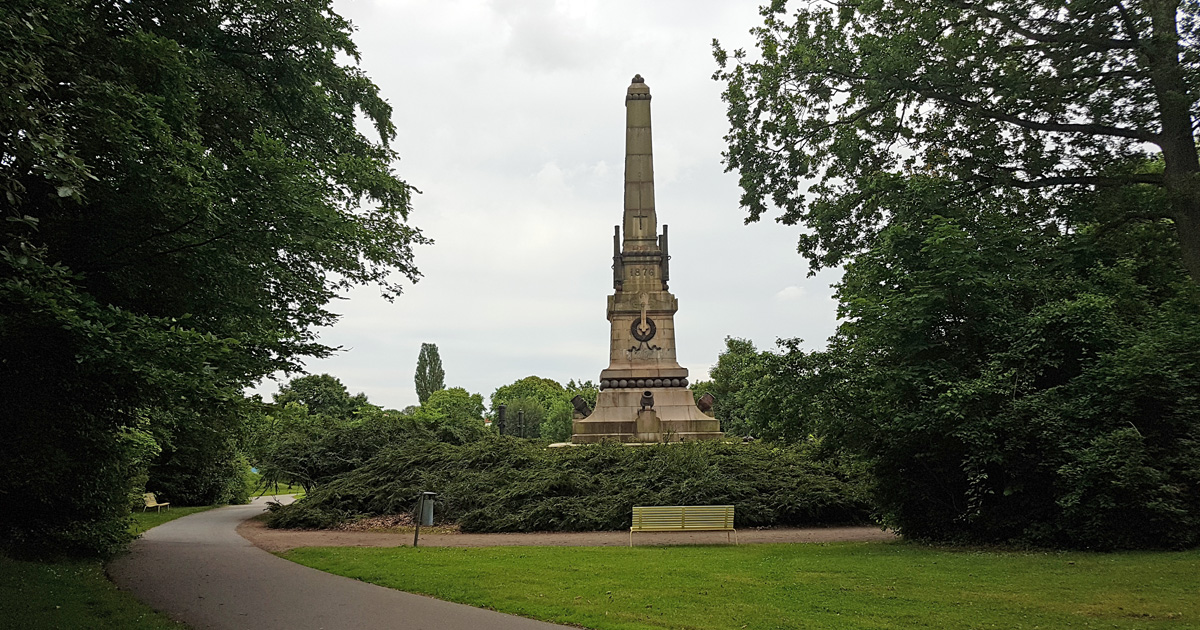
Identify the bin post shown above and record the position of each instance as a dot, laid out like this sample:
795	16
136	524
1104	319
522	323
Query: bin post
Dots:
424	514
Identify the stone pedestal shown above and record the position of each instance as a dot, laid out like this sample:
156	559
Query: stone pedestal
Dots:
618	418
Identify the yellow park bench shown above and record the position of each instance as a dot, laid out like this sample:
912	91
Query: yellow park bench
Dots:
683	518
151	502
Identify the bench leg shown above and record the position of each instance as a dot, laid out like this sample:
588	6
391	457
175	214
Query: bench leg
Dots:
630	537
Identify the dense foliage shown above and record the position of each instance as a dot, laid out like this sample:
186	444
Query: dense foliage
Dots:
184	191
506	484
1013	381
316	430
1007	377
1032	96
540	407
765	395
321	395
1012	188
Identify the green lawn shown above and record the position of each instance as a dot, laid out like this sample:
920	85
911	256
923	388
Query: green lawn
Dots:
70	595
846	585
256	487
143	521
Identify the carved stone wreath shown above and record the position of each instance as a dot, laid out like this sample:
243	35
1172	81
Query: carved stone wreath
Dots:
633	330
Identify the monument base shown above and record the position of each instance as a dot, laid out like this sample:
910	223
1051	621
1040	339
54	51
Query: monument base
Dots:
618	417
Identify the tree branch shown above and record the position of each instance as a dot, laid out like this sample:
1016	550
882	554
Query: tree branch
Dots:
1094	129
1101	181
1047	38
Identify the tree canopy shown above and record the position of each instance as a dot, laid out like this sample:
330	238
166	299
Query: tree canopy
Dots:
1003	379
321	394
545	405
185	190
1026	99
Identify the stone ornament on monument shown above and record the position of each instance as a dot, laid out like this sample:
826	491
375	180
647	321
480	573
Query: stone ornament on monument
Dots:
643	394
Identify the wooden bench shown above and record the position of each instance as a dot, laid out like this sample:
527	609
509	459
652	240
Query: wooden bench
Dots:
683	518
151	502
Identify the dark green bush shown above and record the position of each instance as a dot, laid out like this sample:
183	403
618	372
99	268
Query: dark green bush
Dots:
310	451
503	484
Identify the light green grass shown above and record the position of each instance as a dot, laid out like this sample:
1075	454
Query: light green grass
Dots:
143	521
256	487
70	595
75	594
845	585
274	489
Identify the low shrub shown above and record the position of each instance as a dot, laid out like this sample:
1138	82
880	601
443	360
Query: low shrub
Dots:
504	484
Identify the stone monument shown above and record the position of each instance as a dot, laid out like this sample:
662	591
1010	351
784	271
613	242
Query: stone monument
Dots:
644	395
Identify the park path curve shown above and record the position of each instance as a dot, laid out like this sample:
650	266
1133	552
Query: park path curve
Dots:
198	570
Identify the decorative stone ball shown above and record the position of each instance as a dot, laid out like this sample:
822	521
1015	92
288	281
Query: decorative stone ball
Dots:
604	384
623	384
658	382
683	382
641	382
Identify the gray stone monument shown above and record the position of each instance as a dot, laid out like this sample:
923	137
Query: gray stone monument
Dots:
643	393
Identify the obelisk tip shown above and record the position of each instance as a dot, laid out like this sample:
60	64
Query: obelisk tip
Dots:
638	90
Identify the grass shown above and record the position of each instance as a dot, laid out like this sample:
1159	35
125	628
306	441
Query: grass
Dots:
72	594
256	487
281	489
842	586
69	594
143	521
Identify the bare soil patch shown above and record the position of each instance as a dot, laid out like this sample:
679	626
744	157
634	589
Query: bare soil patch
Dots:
276	540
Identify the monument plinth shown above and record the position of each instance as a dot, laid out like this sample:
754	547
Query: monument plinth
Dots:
643	392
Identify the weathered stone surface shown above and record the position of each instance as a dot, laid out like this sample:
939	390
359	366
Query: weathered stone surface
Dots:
641	311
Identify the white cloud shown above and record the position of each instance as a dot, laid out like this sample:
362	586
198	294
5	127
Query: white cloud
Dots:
791	293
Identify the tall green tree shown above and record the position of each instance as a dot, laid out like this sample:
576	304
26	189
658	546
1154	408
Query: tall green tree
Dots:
430	377
537	398
1036	98
185	190
1009	380
773	395
456	404
738	368
561	412
321	394
455	415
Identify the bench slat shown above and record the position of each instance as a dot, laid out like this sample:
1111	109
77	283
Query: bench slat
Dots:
682	518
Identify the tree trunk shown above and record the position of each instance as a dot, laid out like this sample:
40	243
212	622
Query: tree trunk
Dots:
1181	170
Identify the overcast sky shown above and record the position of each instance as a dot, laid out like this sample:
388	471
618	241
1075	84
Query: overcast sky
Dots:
511	121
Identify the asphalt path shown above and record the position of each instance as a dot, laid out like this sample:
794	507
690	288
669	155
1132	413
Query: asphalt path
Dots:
198	570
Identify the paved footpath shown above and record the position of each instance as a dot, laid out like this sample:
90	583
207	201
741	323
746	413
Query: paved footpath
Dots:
198	570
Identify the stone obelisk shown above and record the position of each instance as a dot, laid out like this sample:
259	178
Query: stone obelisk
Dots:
643	393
